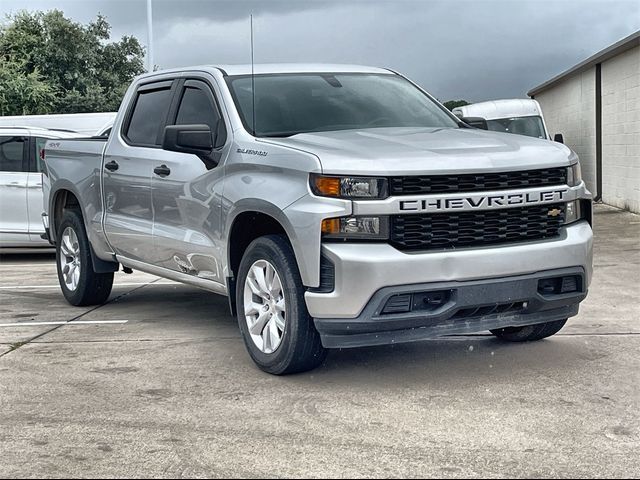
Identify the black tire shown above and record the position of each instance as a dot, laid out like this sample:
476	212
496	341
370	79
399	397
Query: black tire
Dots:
300	349
93	288
529	333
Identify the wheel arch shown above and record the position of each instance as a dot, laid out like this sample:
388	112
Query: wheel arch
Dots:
65	198
243	227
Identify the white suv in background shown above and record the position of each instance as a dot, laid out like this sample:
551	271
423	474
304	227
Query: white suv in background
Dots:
21	198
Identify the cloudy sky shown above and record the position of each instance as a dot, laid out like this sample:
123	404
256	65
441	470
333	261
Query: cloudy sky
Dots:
476	50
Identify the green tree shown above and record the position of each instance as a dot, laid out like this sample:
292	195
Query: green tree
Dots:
51	64
451	104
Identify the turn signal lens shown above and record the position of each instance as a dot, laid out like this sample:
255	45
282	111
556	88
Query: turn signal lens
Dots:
330	226
327	186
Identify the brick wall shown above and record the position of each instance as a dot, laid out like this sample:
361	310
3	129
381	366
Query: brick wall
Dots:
621	130
569	108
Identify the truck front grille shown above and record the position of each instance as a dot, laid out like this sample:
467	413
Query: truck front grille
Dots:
476	229
414	185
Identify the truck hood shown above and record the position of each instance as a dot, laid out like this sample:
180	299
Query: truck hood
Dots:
406	151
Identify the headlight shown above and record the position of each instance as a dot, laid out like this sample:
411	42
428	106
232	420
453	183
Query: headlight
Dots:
573	212
574	175
349	187
371	228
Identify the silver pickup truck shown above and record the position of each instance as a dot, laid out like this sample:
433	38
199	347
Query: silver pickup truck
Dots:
336	206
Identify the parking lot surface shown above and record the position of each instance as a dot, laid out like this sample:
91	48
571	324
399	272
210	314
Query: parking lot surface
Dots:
157	383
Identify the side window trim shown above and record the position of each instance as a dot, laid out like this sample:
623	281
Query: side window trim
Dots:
146	87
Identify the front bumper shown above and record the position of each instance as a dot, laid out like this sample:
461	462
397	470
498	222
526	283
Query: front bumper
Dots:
468	307
362	271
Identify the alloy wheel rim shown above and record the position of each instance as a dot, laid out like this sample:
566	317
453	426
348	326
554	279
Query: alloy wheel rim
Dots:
70	259
264	306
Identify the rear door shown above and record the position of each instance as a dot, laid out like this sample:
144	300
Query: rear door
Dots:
14	217
132	154
187	194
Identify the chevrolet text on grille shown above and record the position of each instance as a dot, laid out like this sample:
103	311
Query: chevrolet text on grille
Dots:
483	201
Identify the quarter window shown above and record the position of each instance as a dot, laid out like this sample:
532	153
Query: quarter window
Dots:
12	154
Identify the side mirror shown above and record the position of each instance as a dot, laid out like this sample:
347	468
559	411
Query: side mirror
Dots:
196	139
558	138
476	122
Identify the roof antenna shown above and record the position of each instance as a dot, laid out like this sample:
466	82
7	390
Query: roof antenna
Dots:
253	85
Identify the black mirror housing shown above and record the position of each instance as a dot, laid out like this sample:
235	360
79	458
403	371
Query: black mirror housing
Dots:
558	138
196	139
476	122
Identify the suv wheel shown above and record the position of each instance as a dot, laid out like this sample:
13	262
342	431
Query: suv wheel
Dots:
529	333
277	329
80	284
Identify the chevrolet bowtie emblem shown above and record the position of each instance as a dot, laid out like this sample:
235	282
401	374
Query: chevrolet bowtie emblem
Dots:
554	212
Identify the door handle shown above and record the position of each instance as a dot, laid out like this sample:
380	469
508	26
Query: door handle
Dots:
162	171
112	166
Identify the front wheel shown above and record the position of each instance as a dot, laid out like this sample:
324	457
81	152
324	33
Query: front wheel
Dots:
529	333
80	284
276	327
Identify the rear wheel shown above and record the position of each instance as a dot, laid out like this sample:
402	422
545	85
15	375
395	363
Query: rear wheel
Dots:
80	284
277	329
529	333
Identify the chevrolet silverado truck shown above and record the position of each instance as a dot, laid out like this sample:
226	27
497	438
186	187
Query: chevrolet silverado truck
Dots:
336	206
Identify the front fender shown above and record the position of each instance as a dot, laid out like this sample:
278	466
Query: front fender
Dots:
301	222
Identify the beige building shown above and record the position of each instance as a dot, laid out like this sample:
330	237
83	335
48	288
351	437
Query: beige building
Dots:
596	106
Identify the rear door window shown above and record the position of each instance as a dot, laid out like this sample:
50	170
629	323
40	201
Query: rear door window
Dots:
12	150
149	114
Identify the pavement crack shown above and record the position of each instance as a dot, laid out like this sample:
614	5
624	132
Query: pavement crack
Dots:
18	345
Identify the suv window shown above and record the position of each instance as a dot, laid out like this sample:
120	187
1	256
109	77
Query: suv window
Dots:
197	107
149	112
12	154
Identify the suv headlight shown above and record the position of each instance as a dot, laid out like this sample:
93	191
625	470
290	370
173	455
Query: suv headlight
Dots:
357	228
356	188
574	175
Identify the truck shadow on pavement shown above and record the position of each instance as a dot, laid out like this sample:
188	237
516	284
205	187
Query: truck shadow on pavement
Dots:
184	313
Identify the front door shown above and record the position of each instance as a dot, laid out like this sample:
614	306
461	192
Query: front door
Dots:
186	192
132	155
14	216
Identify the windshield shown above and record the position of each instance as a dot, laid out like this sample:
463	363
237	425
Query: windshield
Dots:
529	126
288	104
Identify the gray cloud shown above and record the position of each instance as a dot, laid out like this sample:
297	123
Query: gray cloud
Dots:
455	49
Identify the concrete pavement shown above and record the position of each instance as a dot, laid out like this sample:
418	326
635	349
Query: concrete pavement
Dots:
169	391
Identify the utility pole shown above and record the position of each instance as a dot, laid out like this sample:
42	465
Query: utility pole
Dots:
150	64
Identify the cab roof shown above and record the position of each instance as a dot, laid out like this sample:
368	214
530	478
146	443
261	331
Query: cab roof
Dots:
276	68
267	68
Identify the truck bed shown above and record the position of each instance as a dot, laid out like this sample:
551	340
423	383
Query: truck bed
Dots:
75	165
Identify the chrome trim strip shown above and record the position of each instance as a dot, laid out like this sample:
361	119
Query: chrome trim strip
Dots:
209	285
